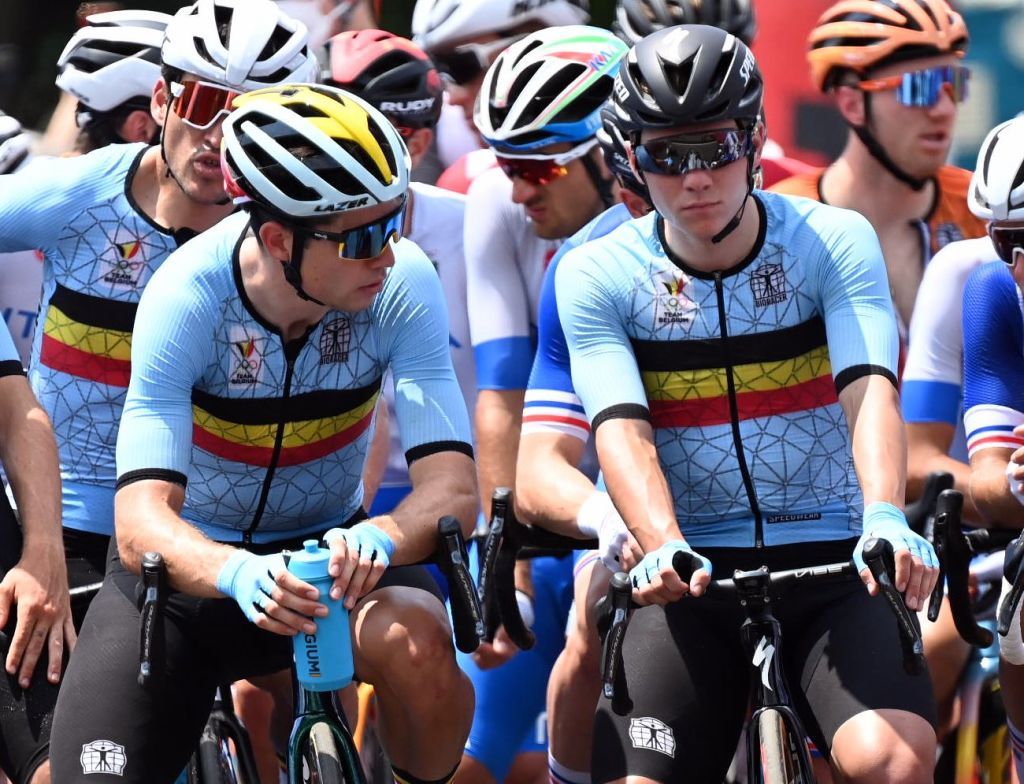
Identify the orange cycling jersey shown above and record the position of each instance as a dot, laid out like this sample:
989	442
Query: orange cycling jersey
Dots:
948	220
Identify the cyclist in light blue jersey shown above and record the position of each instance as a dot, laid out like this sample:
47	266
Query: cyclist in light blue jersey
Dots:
257	362
105	222
754	419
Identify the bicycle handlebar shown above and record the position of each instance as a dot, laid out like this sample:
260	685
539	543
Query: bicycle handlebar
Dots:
613	614
450	556
509	540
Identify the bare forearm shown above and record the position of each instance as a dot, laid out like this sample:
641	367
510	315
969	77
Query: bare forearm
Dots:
28	452
446	488
146	523
629	461
550	489
498	420
878	439
928	452
993	500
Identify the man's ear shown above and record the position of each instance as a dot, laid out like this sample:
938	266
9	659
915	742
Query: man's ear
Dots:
277	240
759	137
850	103
418	143
138	126
160	101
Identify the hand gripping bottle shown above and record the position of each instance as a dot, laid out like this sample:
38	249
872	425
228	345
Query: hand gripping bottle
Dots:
323	661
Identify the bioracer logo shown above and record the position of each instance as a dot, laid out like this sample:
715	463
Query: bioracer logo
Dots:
312	655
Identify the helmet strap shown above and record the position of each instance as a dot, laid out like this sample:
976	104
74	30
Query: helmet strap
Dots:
293	268
880	155
603	186
734	222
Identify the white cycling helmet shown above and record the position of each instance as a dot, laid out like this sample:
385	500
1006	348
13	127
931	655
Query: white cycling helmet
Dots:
14	144
113	59
351	156
997	185
242	44
437	24
548	88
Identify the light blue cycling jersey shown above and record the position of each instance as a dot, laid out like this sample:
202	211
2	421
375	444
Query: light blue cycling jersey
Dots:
100	252
738	371
269	438
10	363
551	404
993	324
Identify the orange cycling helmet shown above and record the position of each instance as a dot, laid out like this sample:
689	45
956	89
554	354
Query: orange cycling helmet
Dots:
863	34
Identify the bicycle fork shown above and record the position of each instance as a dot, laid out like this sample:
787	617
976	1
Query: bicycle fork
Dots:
313	708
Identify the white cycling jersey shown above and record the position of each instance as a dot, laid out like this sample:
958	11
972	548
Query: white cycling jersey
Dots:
436	226
933	376
505	263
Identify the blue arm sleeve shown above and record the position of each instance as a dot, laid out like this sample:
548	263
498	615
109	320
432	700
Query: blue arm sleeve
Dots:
551	369
853	287
429	405
595	331
36	200
994	333
170	347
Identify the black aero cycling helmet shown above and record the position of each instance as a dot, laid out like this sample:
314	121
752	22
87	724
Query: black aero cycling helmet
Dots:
688	74
636	19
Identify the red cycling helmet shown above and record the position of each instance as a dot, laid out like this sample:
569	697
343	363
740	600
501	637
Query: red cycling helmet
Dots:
389	72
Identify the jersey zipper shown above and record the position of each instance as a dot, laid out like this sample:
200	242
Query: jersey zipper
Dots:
291	353
734	415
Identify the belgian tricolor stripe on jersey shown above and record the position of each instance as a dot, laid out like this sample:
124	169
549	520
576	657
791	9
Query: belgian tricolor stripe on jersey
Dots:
315	424
88	337
778	372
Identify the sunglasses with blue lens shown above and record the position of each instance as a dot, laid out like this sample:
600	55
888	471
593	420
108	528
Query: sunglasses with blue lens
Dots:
688	151
923	88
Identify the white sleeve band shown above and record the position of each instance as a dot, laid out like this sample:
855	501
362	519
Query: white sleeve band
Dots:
1011	647
525	608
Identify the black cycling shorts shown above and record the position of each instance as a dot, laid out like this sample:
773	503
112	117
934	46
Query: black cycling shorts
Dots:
688	676
106	722
26	715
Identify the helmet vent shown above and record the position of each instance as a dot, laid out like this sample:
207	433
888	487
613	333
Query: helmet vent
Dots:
679	77
720	74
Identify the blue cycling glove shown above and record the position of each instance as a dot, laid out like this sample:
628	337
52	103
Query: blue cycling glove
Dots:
366	539
249	580
652	563
885	521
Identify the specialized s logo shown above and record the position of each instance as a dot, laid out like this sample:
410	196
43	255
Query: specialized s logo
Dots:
247	362
748	66
103	756
763	656
673	306
334	341
768	282
124	270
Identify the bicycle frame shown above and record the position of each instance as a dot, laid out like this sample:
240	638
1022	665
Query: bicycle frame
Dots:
312	707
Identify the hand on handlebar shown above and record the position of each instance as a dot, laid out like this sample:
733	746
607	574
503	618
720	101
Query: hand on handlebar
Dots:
268	594
917	567
655	580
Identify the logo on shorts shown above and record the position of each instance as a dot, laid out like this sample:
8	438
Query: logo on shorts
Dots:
103	756
768	283
673	306
334	341
653	734
247	362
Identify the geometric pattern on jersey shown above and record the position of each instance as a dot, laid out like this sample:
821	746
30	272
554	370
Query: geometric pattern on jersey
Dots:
99	254
736	368
272	437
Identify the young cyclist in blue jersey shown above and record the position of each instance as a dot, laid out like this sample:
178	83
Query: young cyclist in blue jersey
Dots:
104	223
257	362
35	611
993	367
552	491
754	419
539	110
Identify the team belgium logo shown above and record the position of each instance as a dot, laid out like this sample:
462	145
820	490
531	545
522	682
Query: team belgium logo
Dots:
247	362
124	268
673	306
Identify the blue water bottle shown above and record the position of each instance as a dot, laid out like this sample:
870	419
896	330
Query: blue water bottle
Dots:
323	661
